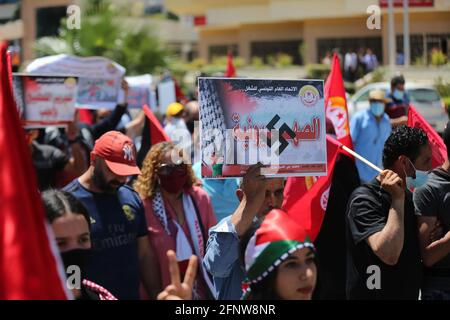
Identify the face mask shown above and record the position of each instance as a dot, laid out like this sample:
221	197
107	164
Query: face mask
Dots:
421	178
397	94
174	181
77	257
377	108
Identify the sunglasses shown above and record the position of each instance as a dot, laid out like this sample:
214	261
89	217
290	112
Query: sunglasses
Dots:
166	169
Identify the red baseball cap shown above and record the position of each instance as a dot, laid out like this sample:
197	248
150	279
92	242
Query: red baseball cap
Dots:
118	152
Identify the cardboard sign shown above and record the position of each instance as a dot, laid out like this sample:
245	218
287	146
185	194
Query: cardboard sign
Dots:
45	100
166	95
99	78
139	91
280	123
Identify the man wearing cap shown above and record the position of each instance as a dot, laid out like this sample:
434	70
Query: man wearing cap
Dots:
369	130
122	257
175	126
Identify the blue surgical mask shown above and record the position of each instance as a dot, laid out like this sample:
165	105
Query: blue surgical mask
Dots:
397	94
377	108
419	180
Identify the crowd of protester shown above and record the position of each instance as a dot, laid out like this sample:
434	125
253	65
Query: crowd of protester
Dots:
154	229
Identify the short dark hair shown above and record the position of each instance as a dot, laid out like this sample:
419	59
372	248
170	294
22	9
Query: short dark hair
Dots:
58	203
397	80
446	138
403	140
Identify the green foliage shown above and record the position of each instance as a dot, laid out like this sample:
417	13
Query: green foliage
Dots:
284	60
317	71
438	58
378	75
442	87
257	62
102	34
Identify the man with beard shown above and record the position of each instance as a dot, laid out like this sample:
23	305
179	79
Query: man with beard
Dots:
122	257
257	195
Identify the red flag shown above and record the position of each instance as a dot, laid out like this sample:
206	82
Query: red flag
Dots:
231	71
336	103
157	133
28	266
438	148
179	95
308	208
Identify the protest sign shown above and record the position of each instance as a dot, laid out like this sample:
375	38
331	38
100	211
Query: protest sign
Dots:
280	123
99	78
45	100
139	91
166	95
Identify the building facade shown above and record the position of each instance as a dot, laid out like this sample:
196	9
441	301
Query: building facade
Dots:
307	29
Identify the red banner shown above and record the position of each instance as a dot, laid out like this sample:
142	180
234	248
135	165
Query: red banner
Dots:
412	3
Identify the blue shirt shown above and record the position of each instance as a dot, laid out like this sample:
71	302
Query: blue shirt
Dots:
117	221
221	191
368	140
221	260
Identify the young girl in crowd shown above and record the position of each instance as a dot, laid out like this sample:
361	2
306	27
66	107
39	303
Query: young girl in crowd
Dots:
70	223
280	261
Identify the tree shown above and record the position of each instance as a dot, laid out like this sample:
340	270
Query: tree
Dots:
102	34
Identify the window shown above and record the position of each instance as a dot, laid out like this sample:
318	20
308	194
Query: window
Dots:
264	49
48	20
345	44
222	50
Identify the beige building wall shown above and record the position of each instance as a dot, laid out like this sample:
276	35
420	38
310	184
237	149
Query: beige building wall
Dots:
244	21
333	28
28	15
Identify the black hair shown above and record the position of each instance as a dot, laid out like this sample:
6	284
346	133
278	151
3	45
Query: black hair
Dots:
446	138
397	80
58	203
265	289
405	141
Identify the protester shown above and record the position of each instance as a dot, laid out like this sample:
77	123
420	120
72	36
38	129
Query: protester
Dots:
383	248
175	126
71	225
105	120
369	130
122	257
433	209
397	108
221	191
370	61
178	213
280	261
49	161
178	290
350	65
257	197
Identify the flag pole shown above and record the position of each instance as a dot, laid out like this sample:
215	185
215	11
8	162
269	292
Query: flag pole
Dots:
367	162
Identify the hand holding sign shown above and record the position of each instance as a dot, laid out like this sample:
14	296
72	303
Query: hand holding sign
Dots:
178	290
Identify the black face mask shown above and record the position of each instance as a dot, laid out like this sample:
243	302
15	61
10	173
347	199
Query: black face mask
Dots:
78	257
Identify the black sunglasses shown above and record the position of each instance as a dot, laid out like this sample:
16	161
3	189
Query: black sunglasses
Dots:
166	169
